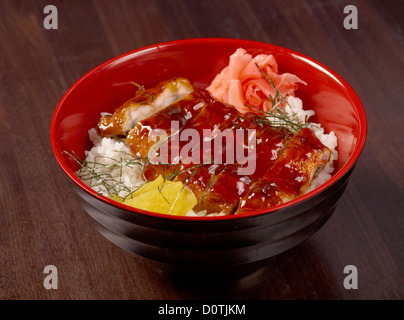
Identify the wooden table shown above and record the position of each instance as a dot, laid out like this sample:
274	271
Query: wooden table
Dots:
42	223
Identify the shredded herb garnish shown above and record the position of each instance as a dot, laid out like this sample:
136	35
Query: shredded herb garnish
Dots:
92	173
140	88
276	116
187	179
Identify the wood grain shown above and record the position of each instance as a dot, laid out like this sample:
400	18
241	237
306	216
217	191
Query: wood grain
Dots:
42	223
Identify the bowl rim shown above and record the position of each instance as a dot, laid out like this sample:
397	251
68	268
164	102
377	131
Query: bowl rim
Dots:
350	163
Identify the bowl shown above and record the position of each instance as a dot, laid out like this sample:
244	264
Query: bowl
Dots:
207	245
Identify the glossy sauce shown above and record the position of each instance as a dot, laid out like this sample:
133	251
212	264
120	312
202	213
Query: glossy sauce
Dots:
218	185
119	123
284	163
180	112
290	175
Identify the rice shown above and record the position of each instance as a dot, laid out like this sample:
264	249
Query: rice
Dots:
111	158
294	108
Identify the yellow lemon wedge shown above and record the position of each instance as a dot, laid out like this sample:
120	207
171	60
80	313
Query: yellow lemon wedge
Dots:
116	198
166	197
152	185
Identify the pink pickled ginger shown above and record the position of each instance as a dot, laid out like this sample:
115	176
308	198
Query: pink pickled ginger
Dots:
241	83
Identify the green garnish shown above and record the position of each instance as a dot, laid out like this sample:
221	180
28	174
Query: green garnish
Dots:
276	116
92	173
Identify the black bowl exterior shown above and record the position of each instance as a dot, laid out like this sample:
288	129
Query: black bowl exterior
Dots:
213	246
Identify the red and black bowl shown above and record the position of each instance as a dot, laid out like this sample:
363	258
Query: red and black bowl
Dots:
207	245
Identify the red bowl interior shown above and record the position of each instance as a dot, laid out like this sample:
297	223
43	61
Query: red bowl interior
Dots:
106	87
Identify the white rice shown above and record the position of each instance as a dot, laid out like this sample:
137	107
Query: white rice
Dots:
109	151
104	159
294	108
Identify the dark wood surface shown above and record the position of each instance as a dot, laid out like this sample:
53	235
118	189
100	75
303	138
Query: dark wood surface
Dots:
42	223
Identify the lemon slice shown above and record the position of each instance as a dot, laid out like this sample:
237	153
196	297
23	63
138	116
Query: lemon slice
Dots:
166	197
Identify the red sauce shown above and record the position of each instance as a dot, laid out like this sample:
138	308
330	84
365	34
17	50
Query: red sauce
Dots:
284	165
290	175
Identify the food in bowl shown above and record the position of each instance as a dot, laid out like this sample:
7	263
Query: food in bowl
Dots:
226	244
178	150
